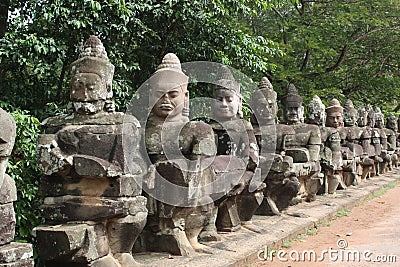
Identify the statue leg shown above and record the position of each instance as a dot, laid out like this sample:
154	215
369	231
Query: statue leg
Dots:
194	224
209	232
313	183
248	203
228	218
122	234
333	182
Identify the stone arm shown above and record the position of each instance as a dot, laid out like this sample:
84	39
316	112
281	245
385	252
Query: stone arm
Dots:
314	145
50	157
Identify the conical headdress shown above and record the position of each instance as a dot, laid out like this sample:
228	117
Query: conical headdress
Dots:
93	59
334	106
226	80
169	75
292	98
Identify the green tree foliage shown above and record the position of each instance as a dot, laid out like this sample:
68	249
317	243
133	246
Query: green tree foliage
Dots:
342	49
39	42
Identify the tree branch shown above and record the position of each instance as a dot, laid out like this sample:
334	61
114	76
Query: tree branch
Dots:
339	61
365	35
4	6
305	61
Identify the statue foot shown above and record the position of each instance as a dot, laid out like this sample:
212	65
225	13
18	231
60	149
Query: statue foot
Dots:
252	227
126	260
209	236
311	198
200	248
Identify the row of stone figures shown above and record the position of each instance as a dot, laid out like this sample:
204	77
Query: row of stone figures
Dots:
115	183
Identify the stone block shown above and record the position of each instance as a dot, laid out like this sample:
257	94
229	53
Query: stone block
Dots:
21	263
82	208
8	191
80	243
7	223
125	185
15	252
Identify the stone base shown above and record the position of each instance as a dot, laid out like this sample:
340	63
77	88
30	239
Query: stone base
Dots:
174	243
16	255
80	243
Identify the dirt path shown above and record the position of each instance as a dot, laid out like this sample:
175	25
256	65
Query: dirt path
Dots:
370	231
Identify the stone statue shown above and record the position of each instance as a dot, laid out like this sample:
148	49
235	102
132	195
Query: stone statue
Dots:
330	153
17	254
235	141
376	139
391	133
304	146
366	143
343	159
353	140
386	157
276	168
174	227
92	206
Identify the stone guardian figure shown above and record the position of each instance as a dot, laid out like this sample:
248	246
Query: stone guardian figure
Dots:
304	147
93	206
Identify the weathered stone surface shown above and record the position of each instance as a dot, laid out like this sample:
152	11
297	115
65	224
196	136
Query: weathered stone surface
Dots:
88	175
8	191
15	252
125	185
21	263
81	208
7	223
73	243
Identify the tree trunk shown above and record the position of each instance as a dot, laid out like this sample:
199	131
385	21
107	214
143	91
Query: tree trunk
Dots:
4	5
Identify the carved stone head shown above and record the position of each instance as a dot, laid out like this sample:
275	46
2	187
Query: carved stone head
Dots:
370	116
391	122
350	114
362	117
168	90
334	114
293	109
227	93
264	102
91	78
379	118
316	112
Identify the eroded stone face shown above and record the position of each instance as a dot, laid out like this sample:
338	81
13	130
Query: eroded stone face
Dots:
227	105
391	123
170	104
293	115
334	119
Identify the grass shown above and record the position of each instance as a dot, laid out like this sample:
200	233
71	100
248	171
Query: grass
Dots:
341	213
379	193
287	243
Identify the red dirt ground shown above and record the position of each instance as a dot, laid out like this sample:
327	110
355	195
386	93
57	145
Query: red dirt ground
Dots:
370	230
